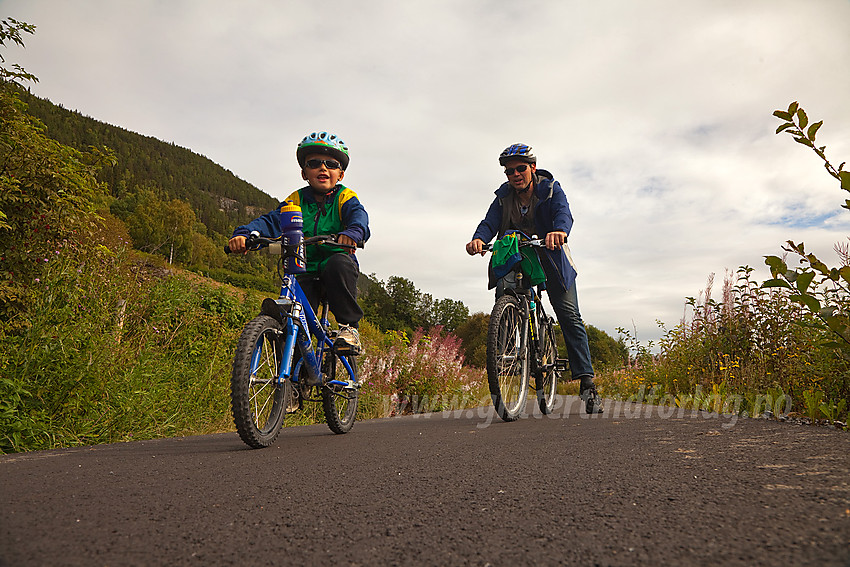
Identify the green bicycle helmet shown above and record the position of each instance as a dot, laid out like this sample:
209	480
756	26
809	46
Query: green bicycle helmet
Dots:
323	143
517	151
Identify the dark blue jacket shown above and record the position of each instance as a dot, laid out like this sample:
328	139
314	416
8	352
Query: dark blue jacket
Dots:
552	213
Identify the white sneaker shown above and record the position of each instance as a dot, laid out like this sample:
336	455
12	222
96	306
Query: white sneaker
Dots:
348	340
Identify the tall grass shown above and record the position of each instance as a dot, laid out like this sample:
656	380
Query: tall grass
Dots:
755	341
109	352
113	347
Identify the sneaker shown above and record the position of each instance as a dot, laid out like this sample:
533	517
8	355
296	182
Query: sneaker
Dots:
592	401
348	340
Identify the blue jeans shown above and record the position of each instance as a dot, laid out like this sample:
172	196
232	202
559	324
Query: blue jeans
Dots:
565	305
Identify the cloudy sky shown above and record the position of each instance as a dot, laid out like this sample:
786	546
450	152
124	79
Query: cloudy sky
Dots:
656	117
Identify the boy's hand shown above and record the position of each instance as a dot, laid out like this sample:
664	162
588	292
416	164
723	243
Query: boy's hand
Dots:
348	241
237	245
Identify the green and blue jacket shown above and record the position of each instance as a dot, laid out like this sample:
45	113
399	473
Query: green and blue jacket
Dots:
340	213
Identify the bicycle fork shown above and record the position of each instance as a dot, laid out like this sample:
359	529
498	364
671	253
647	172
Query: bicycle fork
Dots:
297	337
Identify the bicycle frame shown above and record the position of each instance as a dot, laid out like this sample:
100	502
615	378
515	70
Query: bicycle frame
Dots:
301	324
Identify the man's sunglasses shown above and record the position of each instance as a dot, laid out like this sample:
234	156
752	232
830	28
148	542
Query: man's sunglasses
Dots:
518	169
317	163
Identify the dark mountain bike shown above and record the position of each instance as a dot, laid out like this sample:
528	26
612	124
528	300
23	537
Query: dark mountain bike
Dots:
276	368
520	344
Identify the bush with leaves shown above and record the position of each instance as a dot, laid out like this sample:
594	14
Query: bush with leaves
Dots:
47	190
821	289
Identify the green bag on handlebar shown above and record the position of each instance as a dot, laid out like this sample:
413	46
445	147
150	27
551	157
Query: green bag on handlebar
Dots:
507	254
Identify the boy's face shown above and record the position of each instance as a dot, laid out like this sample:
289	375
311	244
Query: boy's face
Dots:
321	178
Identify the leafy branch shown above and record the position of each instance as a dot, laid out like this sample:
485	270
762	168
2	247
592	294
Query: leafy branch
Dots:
828	296
797	125
10	31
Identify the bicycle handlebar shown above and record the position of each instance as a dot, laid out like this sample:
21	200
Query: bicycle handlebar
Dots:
536	242
255	242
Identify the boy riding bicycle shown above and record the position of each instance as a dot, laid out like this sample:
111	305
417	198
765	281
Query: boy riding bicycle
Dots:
531	201
328	207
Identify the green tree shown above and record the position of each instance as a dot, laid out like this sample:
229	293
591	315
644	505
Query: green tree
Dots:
473	334
47	190
449	314
605	351
397	305
162	226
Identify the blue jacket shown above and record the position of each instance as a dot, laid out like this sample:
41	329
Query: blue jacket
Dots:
342	213
552	213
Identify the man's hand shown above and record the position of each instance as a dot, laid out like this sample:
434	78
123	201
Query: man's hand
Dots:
475	247
237	245
555	239
347	240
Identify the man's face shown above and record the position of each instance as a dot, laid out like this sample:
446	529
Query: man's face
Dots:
321	178
519	180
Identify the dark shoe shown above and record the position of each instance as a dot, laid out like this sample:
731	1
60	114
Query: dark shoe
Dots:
592	401
293	404
348	340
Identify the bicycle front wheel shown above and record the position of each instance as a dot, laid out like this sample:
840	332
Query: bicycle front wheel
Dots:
547	376
258	400
507	357
339	402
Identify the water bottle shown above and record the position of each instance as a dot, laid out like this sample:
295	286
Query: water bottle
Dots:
292	238
532	307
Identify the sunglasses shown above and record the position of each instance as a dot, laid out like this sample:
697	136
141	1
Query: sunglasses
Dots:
317	163
518	169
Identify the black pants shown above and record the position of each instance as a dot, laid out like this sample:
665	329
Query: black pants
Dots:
338	280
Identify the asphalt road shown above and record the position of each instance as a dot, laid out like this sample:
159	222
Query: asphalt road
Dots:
640	485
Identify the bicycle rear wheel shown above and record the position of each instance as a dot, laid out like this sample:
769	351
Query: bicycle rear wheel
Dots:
547	376
339	402
507	357
258	401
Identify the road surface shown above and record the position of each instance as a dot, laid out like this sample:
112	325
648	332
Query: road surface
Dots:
639	485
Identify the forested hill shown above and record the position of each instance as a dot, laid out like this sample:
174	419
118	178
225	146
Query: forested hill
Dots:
219	199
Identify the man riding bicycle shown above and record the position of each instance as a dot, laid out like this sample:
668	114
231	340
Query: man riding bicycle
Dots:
531	201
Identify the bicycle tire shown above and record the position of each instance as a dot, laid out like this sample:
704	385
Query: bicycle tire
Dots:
340	402
258	401
507	357
547	376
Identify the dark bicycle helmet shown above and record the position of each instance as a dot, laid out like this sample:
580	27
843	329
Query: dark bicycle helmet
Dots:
517	151
323	143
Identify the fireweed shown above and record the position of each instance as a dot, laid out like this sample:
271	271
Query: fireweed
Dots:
421	373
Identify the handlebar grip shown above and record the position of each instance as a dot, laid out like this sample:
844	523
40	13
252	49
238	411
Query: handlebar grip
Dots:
227	249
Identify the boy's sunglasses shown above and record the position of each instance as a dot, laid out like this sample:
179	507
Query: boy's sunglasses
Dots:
317	163
518	169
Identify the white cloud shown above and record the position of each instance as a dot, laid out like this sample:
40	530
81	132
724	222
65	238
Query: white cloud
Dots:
655	116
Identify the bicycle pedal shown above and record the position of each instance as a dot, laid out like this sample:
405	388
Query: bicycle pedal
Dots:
561	365
347	350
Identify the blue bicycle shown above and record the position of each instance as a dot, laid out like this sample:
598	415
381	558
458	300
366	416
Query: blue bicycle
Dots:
276	367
